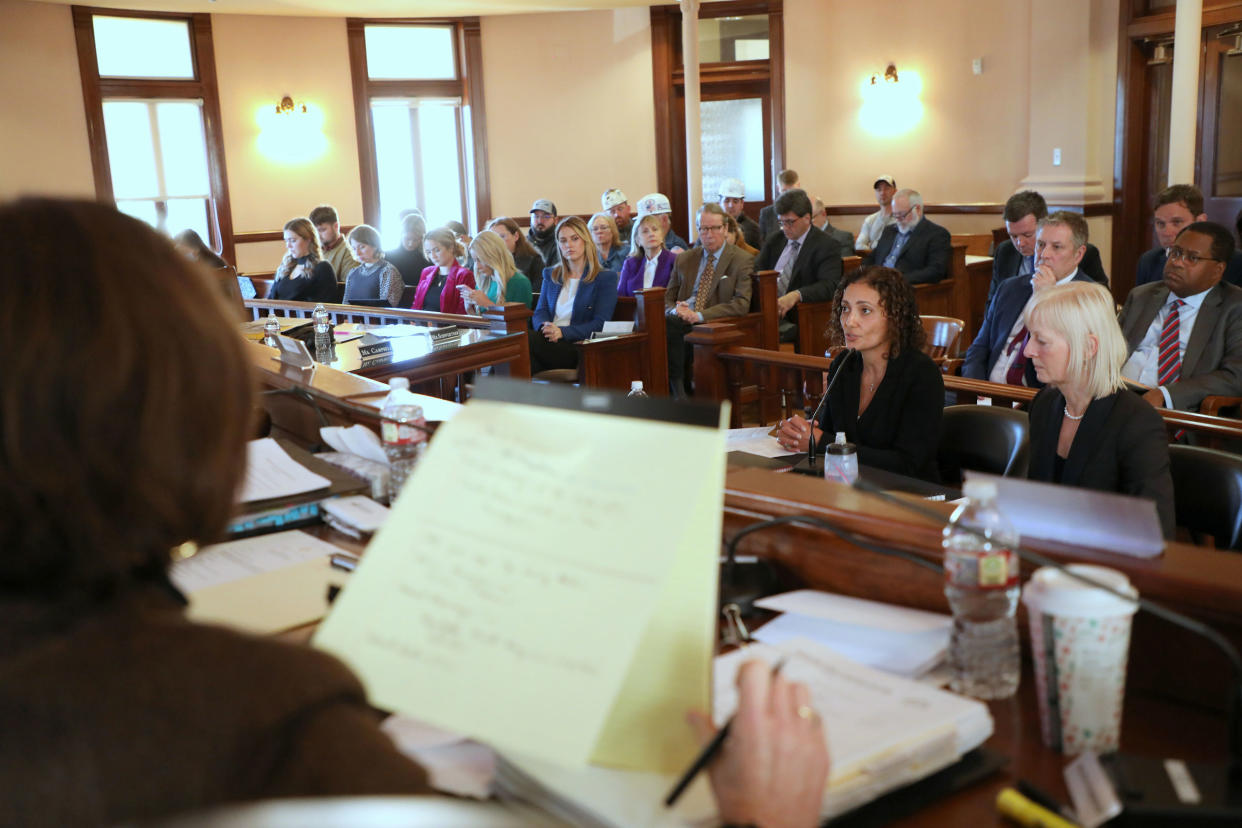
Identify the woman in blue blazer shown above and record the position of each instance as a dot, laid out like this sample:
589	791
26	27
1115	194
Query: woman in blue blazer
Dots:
576	299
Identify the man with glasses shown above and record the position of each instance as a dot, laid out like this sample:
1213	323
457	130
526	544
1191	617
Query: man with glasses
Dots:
542	232
807	259
1184	333
1176	207
709	281
998	352
918	247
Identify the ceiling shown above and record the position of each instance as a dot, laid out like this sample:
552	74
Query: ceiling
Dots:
368	8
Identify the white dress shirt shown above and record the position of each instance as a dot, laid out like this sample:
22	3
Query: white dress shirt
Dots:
649	270
1000	371
1144	364
565	302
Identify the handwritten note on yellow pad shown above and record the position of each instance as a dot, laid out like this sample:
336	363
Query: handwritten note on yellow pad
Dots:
539	588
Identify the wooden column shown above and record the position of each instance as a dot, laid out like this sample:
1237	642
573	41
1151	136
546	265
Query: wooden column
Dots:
1183	112
694	139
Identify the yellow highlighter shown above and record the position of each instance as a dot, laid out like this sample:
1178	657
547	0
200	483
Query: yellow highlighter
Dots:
1023	811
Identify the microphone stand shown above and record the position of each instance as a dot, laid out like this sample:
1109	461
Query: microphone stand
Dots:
1141	783
810	445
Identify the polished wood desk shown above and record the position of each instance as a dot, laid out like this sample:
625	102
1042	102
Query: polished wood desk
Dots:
1176	683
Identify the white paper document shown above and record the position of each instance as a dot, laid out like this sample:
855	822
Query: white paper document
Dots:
755	441
272	473
222	563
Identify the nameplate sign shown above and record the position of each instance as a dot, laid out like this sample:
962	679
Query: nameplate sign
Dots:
378	353
293	352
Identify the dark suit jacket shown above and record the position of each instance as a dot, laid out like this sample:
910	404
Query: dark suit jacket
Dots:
999	320
730	293
925	258
767	223
899	431
594	304
817	269
750	231
1212	363
844	237
1151	267
1121	446
1006	260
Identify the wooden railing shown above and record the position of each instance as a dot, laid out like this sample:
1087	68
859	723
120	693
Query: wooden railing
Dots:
511	317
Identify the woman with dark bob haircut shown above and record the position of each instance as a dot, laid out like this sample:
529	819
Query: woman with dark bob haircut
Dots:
122	440
890	395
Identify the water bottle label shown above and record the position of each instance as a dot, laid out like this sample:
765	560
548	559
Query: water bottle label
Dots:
996	569
401	433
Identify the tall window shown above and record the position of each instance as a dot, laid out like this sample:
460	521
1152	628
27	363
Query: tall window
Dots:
419	105
153	116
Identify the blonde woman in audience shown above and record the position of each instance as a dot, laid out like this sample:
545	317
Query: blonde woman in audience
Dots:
437	287
182	716
525	257
303	275
375	277
735	236
497	279
607	242
649	263
1087	428
576	299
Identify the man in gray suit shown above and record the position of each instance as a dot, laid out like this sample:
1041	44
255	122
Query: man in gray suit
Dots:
709	281
819	218
1184	333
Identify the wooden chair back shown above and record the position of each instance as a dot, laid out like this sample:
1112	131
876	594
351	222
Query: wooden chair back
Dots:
942	335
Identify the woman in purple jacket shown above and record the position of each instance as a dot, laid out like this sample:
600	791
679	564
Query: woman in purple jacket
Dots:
649	264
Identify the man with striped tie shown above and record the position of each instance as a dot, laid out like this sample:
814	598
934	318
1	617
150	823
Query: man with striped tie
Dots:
1184	333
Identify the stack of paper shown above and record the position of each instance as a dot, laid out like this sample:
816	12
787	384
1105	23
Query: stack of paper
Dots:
883	732
901	640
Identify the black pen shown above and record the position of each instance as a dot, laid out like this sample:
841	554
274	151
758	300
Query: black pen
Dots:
707	754
1044	799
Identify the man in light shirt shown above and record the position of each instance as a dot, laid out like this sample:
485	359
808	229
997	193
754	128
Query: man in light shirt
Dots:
1184	332
997	354
874	224
335	251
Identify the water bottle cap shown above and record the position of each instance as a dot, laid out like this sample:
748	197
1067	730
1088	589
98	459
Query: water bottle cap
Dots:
636	385
399	383
840	437
977	489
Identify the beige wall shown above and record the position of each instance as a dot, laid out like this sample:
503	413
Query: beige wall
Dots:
43	146
576	124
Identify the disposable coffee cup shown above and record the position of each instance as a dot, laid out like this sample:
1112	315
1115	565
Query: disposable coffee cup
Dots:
1080	641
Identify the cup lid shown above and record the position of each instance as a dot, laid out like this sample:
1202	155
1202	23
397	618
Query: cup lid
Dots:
1053	592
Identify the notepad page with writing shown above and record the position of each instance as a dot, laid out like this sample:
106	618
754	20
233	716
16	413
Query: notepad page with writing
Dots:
507	594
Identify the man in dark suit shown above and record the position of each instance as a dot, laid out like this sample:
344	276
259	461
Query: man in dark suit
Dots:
709	281
819	218
1176	207
918	247
808	259
1184	333
786	180
1016	257
997	352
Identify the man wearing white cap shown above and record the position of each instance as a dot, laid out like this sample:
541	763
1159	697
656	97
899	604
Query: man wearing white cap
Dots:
732	195
542	233
615	204
874	224
656	204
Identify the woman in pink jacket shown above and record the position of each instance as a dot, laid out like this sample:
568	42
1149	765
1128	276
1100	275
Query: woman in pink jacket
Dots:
437	287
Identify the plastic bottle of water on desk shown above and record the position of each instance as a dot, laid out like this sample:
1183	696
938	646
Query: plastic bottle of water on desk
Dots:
981	583
636	389
841	461
325	350
271	330
402	425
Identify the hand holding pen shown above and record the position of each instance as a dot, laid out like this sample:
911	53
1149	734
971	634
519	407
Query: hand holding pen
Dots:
770	762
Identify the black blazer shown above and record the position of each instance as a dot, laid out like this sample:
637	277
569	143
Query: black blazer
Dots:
925	258
767	222
817	269
1006	260
900	429
1121	446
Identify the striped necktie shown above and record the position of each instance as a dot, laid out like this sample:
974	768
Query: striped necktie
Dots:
1169	368
1017	368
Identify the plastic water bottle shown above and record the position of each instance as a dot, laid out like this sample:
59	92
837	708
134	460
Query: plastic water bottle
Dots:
636	389
271	330
402	425
981	583
841	461
325	347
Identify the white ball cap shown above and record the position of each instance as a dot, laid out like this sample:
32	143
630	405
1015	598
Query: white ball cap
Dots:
653	204
732	188
611	198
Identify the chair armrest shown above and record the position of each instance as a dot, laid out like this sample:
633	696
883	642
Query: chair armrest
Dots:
1215	406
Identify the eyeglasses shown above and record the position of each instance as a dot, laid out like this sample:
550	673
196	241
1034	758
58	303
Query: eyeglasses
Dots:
710	228
903	216
789	222
1190	257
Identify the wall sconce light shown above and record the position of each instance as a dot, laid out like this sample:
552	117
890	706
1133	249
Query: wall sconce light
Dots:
291	132
891	104
288	107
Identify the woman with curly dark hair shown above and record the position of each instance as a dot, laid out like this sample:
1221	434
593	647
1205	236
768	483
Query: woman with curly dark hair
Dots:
889	397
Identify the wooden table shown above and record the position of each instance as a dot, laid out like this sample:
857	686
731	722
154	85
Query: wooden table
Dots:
415	358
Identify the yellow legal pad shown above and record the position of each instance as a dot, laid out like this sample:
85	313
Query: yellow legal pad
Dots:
539	587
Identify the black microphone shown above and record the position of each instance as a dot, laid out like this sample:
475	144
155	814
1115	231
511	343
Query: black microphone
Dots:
810	445
1142	784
